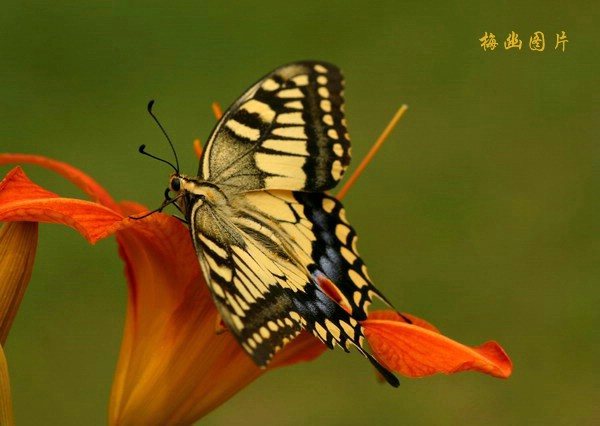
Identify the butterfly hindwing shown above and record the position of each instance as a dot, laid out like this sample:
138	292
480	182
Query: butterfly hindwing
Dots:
321	234
248	287
286	132
261	280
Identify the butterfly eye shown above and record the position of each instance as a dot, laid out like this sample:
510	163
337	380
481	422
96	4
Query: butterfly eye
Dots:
176	184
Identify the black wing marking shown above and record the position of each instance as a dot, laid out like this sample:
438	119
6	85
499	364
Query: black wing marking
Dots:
317	225
286	132
335	254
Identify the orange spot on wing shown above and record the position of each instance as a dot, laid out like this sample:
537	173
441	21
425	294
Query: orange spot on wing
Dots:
333	292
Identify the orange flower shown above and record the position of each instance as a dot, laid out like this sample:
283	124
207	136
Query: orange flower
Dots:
173	367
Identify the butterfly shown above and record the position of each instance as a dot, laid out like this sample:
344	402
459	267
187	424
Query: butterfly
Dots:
272	244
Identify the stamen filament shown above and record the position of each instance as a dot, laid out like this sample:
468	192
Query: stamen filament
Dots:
363	164
197	148
217	110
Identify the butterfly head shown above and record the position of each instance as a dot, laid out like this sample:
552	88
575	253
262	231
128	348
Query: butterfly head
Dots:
175	183
181	186
178	192
190	192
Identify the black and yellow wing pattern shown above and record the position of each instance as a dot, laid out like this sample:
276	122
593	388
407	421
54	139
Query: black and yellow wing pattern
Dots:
265	232
335	254
286	132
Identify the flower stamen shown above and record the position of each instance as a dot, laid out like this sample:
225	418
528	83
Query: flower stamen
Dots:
378	143
197	148
217	111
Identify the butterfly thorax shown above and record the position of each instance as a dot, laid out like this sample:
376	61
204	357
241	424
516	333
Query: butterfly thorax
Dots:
207	206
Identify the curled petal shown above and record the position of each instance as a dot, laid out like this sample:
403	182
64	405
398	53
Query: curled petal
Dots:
18	243
22	200
16	186
84	182
416	351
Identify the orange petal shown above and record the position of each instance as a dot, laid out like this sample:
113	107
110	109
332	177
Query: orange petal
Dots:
17	186
395	316
88	185
18	243
22	200
173	368
415	351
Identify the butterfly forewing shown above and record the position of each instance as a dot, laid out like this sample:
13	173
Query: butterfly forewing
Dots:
286	132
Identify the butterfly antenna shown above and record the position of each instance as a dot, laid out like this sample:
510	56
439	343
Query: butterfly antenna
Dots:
142	150
160	209
150	105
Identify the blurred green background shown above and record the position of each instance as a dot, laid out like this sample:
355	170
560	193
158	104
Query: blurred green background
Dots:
478	214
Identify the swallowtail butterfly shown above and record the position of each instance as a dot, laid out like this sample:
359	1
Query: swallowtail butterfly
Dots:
268	237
